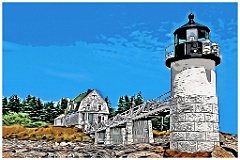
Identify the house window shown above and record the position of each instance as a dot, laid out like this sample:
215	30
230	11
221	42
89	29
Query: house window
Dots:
90	118
99	119
88	106
84	116
99	107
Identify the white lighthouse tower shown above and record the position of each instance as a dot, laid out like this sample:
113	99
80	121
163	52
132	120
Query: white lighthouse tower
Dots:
194	122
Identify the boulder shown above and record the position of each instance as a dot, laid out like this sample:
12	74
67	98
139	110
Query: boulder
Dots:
159	150
178	154
219	152
144	146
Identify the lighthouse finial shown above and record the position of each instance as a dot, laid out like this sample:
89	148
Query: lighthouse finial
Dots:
191	17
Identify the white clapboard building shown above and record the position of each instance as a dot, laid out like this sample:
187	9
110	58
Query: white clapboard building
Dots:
83	111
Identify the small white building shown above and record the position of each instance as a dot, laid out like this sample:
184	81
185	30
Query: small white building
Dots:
83	111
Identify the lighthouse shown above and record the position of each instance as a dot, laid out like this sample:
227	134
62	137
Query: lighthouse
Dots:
194	115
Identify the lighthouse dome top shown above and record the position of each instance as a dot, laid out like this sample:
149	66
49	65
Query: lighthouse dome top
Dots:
191	24
192	40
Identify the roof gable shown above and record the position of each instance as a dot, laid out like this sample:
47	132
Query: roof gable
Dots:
81	96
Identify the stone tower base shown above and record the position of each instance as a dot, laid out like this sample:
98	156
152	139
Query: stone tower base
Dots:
194	123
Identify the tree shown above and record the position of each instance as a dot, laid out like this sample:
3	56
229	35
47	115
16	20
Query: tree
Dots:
34	107
29	106
128	103
112	112
34	115
121	105
26	105
64	104
124	103
162	123
14	103
49	112
139	99
37	107
5	106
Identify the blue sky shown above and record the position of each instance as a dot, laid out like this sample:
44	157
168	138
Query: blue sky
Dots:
55	50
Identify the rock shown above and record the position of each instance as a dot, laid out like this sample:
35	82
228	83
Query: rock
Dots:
171	153
144	154
154	155
119	153
21	150
42	149
62	144
127	151
77	148
219	152
159	150
51	155
178	154
86	155
145	146
7	155
70	143
78	155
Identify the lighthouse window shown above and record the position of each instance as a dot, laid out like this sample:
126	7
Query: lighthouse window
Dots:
191	35
182	41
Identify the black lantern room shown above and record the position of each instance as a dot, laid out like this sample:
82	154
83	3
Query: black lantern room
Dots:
192	41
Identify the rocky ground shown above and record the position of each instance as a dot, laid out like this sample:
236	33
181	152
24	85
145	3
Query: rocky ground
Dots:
42	149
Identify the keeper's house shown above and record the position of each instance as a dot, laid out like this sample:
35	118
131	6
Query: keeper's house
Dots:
83	111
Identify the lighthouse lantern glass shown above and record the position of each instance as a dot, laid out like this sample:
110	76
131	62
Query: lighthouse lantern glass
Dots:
192	35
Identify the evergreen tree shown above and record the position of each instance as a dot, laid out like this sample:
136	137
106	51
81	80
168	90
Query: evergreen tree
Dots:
14	103
64	104
128	103
27	105
124	103
34	109
111	109
139	99
37	108
121	105
5	106
49	112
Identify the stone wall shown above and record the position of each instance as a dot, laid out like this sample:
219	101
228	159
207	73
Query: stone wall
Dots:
194	124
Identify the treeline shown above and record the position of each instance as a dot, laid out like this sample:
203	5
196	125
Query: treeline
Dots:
32	111
125	103
39	111
34	107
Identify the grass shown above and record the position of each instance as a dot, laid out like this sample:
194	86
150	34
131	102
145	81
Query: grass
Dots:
158	133
50	133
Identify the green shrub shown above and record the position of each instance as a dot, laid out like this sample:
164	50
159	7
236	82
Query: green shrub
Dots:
36	124
21	118
15	118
